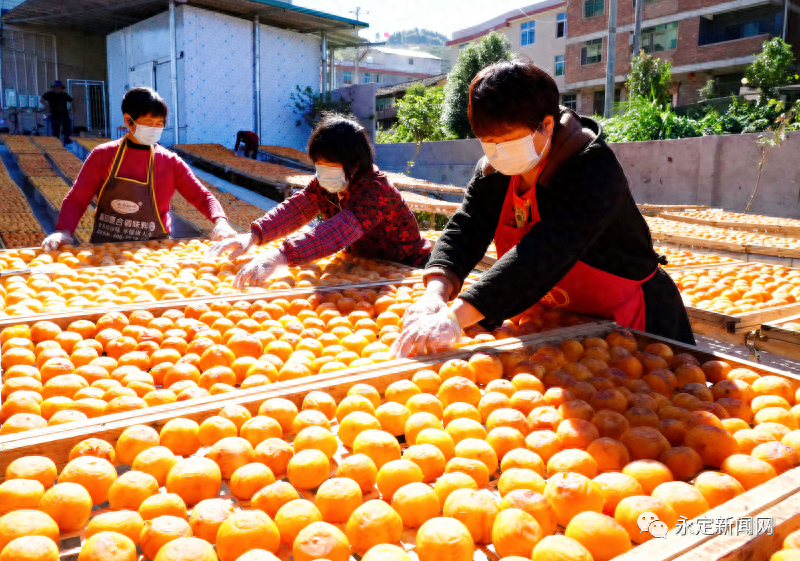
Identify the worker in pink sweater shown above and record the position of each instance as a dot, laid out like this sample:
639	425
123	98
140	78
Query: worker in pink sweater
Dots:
134	180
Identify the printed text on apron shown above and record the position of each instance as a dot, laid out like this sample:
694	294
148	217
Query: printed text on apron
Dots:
584	289
126	208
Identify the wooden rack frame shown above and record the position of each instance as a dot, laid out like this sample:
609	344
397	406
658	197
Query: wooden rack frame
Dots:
732	225
774	497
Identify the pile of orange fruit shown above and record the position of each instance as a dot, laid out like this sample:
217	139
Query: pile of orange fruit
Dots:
546	456
132	360
739	289
19	144
18	226
790	550
225	157
721	216
661	226
434	235
91	143
73	289
682	258
35	165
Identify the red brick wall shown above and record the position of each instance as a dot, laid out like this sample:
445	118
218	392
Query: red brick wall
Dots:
687	52
625	14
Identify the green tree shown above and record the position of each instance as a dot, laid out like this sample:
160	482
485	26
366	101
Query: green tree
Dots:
417	36
650	78
419	118
472	58
709	91
771	69
311	107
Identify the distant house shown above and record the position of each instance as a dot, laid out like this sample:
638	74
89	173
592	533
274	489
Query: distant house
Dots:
536	32
386	98
386	67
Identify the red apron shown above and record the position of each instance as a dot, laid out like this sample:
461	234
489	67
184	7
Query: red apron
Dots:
126	208
584	289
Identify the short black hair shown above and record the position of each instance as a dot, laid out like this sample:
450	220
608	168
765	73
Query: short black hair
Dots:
511	93
139	102
342	140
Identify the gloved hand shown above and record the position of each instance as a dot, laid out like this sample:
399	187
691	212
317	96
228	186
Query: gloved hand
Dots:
259	269
56	240
237	246
222	230
428	333
426	305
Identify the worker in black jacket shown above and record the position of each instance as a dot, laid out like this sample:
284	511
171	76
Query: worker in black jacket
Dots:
555	200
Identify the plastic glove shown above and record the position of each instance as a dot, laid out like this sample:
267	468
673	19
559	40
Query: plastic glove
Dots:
426	305
259	269
429	333
236	245
222	230
56	240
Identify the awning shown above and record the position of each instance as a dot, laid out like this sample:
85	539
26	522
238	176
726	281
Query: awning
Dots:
101	17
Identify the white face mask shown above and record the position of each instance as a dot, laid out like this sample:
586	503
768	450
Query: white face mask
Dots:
331	178
147	135
515	156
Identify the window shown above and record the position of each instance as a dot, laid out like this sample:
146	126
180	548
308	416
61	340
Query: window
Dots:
599	105
593	8
660	38
592	51
410	61
570	101
379	79
740	24
528	33
462	46
367	78
559	66
383	103
561	25
347	77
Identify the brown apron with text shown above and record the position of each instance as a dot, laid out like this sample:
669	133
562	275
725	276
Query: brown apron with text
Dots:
126	208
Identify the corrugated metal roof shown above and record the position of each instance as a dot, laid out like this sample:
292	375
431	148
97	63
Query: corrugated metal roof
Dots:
405	52
101	17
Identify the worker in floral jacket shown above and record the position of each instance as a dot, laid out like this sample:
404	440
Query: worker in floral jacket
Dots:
363	213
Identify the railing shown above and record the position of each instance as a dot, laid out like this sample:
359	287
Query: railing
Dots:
390	113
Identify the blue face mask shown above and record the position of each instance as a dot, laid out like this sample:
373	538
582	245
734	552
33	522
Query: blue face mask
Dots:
331	178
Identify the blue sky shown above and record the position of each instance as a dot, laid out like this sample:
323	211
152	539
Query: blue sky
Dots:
444	16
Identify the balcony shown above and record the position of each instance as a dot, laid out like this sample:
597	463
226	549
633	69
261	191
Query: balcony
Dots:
390	113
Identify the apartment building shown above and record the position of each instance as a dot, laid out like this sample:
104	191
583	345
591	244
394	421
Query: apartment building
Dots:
537	32
386	67
704	40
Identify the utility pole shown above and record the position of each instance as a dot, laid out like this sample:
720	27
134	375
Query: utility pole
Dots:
637	28
358	11
611	46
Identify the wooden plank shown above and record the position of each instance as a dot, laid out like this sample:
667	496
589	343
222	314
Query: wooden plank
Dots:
63	319
784	229
109	427
785	517
758	500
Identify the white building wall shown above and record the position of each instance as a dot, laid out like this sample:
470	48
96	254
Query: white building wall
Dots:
215	75
143	44
218	77
288	59
545	48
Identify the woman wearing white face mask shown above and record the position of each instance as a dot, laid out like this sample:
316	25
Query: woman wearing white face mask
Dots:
134	180
363	212
553	197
